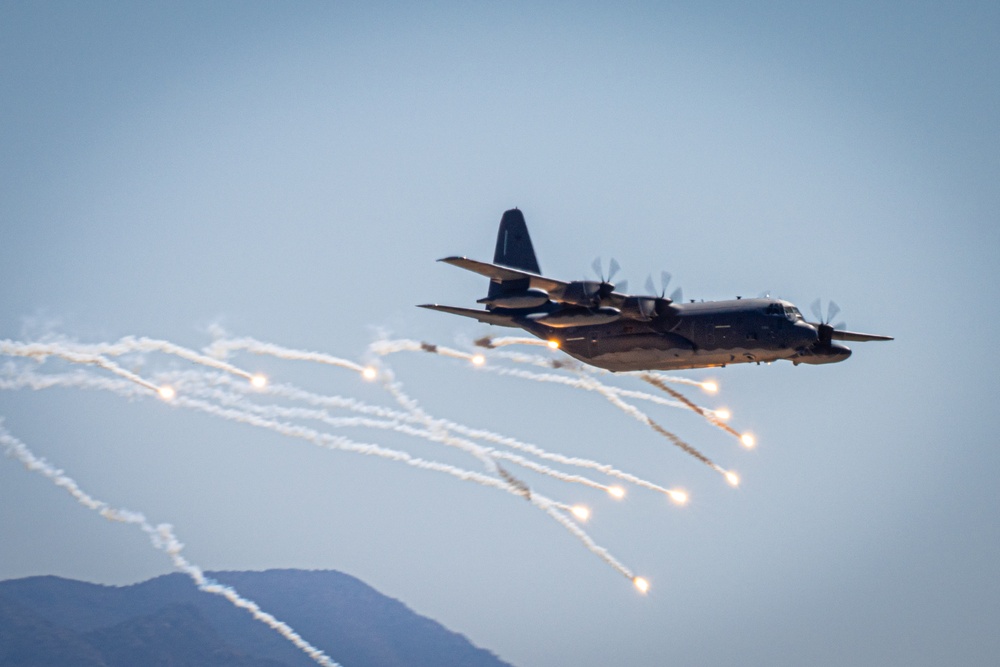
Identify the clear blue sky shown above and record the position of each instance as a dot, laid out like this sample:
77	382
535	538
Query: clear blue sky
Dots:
292	171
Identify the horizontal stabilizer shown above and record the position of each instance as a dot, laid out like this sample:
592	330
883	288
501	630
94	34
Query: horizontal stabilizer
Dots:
503	273
558	290
857	337
484	316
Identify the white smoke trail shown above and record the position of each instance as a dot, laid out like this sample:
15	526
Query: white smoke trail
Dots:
657	381
513	486
338	442
579	383
584	382
127	345
344	444
385	348
549	507
321	415
210	387
641	416
435	426
223	347
301	432
40	351
395	415
162	537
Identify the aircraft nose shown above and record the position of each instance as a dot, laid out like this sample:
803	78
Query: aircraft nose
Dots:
806	332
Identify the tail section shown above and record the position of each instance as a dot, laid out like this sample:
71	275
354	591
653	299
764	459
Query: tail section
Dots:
514	245
513	250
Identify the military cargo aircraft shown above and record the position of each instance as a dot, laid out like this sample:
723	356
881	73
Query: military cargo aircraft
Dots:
595	323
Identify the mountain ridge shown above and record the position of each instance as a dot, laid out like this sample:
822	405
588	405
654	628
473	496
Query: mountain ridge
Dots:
350	621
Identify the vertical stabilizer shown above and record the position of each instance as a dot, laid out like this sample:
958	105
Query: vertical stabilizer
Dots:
514	245
513	249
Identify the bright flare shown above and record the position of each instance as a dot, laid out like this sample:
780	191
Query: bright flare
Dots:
733	478
554	344
678	496
722	414
748	440
616	492
369	373
259	381
478	360
167	392
710	386
641	584
580	512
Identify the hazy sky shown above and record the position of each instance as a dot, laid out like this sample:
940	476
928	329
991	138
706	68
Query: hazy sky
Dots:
292	171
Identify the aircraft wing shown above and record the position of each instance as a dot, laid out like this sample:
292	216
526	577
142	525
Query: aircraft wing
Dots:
857	337
484	316
555	288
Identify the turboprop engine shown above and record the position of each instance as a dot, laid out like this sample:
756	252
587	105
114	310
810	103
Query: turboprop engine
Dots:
577	317
531	297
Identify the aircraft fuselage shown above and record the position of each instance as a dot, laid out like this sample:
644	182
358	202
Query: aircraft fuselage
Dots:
694	335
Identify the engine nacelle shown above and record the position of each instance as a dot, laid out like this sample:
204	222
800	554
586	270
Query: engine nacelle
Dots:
822	354
577	317
529	298
642	308
584	293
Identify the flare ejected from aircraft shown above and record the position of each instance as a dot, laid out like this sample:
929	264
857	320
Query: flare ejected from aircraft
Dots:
592	321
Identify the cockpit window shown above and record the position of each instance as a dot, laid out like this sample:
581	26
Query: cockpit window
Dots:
774	309
792	313
781	310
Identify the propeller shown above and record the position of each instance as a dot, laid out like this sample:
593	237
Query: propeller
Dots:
832	310
838	331
607	286
656	302
823	323
607	282
664	281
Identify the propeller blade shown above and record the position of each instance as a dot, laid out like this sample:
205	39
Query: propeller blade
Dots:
840	326
664	281
613	268
596	266
677	296
622	287
831	311
816	310
650	287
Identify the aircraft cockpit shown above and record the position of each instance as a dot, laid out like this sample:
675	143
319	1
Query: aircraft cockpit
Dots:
786	310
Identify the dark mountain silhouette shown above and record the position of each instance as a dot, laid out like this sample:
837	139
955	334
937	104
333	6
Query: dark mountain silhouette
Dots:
168	622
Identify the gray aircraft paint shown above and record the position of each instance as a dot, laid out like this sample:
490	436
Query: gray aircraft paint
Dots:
620	332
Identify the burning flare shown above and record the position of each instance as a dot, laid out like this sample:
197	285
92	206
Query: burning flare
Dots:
678	496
